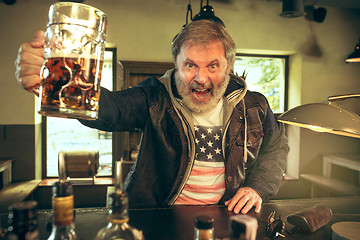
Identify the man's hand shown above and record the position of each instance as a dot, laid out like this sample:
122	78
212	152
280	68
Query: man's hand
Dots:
244	199
29	61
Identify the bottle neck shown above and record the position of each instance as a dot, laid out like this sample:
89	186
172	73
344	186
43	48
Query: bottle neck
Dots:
119	208
63	208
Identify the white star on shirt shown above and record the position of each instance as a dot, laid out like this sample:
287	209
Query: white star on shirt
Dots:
217	137
203	136
209	130
202	149
197	141
217	150
210	143
196	128
209	156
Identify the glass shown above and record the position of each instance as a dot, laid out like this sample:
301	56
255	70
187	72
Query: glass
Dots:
69	134
74	52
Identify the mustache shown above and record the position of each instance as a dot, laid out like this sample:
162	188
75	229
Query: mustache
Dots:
198	86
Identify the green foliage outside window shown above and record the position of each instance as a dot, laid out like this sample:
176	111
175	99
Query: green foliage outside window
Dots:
265	75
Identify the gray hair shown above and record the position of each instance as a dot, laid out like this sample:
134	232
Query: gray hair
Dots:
202	32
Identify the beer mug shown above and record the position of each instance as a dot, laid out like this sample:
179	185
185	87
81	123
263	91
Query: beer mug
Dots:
74	52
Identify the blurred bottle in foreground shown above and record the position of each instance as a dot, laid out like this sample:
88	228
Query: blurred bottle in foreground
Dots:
204	229
118	227
63	226
22	221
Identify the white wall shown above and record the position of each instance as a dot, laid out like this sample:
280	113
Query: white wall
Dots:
142	31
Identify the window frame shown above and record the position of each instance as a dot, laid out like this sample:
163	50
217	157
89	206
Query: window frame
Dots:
286	72
44	130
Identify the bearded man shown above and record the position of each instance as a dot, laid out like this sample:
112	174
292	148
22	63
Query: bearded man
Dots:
206	139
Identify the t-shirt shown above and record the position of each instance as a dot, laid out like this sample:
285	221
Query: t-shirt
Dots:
206	183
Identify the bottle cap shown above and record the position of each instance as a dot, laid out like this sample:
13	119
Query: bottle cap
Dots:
204	222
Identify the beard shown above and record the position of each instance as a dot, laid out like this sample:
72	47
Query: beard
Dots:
185	91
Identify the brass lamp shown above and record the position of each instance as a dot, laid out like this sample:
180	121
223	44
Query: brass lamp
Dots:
322	117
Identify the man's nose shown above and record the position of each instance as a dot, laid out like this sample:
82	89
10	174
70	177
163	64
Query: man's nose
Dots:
202	76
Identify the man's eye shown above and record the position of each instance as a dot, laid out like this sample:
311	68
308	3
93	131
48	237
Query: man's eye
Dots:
213	66
189	65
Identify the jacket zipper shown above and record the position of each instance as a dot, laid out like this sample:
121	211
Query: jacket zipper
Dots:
191	163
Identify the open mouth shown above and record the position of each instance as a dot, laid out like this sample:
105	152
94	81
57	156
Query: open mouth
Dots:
201	94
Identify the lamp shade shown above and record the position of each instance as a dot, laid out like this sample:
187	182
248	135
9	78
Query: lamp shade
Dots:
323	117
355	56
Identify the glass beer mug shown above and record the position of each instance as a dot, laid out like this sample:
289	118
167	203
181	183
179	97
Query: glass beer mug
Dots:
74	52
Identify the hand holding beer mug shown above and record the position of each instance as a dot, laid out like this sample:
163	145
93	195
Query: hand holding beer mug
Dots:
74	52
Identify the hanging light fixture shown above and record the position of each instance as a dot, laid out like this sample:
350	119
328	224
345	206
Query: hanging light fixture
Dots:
322	117
355	56
292	8
207	12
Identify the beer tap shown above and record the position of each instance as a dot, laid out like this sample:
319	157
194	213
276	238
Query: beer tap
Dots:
62	167
118	176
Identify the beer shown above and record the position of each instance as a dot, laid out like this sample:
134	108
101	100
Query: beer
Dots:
70	86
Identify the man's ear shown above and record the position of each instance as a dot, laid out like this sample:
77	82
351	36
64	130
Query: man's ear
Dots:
229	69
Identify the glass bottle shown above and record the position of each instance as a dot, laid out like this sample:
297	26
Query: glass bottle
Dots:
118	227
63	226
204	229
22	221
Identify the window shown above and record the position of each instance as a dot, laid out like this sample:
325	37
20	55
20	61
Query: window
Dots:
62	134
266	74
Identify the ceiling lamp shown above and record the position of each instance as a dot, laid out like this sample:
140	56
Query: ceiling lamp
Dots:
322	117
207	12
355	56
292	8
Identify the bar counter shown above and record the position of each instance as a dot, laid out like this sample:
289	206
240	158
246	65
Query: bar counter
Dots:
177	222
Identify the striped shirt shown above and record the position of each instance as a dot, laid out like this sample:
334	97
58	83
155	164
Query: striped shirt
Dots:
206	183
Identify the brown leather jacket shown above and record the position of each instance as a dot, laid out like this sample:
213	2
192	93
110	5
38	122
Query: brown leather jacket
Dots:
167	148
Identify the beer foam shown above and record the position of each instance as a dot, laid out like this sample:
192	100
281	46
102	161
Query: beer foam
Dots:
68	55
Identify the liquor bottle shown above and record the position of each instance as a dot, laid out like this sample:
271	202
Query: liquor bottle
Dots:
63	226
204	229
118	227
22	221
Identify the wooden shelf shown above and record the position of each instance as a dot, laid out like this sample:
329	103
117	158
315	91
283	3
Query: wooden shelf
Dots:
329	182
332	185
16	192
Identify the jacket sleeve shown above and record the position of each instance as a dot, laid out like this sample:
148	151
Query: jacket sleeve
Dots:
123	110
265	175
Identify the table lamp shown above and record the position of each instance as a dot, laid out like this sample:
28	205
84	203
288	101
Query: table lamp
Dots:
325	117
